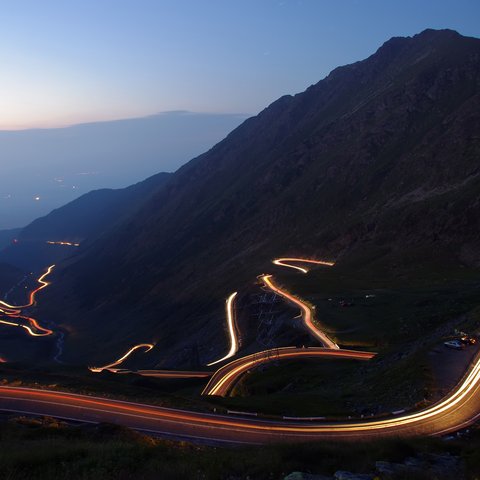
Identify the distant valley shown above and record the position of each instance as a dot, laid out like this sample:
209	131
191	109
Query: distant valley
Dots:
43	169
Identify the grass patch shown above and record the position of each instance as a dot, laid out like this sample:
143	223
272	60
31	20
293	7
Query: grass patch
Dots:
33	450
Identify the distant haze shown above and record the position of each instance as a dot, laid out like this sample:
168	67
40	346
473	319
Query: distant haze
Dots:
44	169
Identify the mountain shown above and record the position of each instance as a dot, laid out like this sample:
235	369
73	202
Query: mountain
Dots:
80	221
9	276
378	158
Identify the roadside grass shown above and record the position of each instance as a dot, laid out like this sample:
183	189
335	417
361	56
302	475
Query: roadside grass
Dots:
393	304
33	449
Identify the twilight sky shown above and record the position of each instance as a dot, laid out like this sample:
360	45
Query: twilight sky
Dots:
72	61
65	62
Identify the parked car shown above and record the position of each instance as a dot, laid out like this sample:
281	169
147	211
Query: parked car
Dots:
456	344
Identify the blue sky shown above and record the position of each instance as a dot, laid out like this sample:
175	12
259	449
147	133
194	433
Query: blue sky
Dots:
70	61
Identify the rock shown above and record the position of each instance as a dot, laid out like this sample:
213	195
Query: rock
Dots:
343	475
306	476
441	466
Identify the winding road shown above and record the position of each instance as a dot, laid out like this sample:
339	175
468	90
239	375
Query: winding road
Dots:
14	311
231	330
307	313
458	409
223	379
110	366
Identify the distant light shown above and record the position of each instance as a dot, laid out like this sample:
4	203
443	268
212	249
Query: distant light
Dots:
36	199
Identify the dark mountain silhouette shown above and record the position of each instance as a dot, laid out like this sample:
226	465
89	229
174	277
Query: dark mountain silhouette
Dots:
80	221
381	156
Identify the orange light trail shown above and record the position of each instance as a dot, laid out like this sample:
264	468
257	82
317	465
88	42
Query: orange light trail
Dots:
231	330
147	346
10	312
69	244
223	379
285	262
33	293
460	408
164	373
14	311
28	329
306	312
457	410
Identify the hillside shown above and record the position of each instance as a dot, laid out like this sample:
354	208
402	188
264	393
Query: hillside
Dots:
7	236
9	276
379	159
80	221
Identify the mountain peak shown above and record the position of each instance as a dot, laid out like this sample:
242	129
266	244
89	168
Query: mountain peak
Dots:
429	33
369	156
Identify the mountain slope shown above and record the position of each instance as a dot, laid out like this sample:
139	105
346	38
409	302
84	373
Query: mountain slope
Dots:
81	220
381	155
7	236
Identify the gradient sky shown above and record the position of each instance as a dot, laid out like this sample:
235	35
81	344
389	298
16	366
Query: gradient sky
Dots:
70	61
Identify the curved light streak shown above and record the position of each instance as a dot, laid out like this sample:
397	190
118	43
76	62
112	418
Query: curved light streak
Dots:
14	311
224	378
147	346
27	328
164	373
36	325
285	262
33	293
457	410
10	312
69	244
231	330
307	314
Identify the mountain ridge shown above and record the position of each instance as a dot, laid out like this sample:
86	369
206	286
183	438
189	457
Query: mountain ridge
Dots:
79	221
319	173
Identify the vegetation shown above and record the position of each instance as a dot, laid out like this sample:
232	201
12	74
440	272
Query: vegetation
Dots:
34	449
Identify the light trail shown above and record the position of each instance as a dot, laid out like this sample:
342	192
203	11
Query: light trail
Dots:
457	410
14	311
69	244
147	346
231	330
28	329
307	314
10	312
33	293
164	373
285	262
223	379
